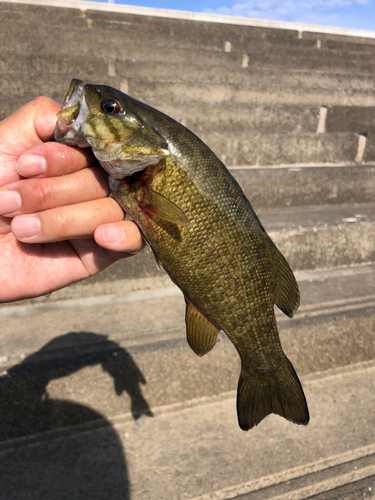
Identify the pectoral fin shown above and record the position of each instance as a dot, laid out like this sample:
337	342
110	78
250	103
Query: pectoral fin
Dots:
201	334
155	204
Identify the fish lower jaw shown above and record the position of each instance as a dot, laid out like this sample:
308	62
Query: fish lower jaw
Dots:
69	136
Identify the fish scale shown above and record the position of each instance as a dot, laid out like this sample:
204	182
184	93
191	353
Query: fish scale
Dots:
203	231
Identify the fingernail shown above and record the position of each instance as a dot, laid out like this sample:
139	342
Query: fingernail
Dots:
10	201
25	226
31	165
111	234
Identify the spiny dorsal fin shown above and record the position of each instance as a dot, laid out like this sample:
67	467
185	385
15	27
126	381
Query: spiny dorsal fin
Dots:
286	295
201	334
157	205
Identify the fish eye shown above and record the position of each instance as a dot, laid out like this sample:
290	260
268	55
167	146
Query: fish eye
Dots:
111	106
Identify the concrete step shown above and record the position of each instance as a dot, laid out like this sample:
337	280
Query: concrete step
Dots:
48	84
278	188
103	46
55	85
240	117
351	119
128	68
234	117
64	397
237	149
175	90
251	74
250	118
33	62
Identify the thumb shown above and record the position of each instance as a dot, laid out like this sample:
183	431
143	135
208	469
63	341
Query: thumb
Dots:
29	126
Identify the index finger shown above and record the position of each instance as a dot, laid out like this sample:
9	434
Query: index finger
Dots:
52	159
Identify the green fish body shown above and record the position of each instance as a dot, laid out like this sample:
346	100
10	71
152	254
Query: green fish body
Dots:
203	231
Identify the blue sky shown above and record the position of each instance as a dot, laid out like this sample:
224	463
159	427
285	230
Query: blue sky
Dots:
356	14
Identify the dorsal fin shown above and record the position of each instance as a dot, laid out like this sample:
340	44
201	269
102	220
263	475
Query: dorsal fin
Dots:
286	292
201	333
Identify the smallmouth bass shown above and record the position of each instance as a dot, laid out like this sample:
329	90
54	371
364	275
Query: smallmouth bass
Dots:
202	230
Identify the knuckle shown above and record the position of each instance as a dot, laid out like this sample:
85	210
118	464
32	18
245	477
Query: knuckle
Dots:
43	194
41	103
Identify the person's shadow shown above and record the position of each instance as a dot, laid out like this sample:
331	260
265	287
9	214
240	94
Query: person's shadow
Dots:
61	450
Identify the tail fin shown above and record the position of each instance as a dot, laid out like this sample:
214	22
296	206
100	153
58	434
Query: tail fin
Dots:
280	393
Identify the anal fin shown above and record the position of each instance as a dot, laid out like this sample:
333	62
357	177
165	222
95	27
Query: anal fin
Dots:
157	261
286	291
201	333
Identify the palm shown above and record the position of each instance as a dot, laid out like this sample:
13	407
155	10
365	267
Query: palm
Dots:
34	270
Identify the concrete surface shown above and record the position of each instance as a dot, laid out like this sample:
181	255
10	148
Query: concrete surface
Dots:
127	351
196	450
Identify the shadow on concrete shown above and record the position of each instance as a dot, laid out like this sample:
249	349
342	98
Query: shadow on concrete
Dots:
56	449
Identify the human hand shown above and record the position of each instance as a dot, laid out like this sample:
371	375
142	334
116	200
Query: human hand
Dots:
55	197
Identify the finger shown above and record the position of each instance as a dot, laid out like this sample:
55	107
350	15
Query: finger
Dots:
45	117
123	236
65	223
29	126
36	195
26	128
51	159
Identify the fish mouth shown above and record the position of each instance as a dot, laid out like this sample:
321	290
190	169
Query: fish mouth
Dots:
71	117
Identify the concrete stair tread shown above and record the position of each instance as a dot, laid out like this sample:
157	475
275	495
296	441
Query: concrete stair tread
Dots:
239	148
15	63
292	83
301	186
237	93
22	43
152	87
246	117
196	450
305	217
162	308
